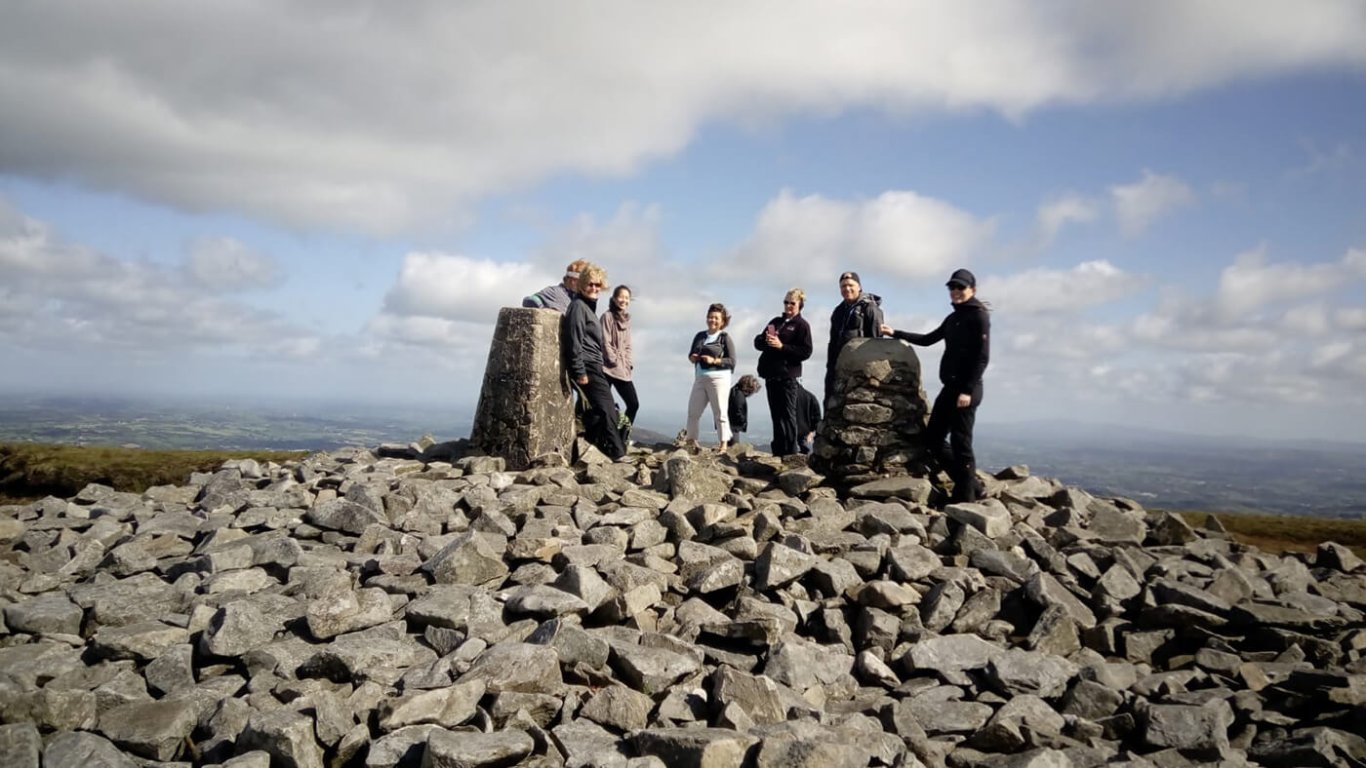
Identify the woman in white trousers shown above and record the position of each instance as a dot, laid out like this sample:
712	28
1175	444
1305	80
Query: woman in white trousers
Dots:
713	357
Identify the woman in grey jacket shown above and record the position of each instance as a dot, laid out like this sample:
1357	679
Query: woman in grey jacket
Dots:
618	359
581	342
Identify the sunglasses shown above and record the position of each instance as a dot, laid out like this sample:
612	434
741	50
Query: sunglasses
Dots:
597	285
789	303
957	287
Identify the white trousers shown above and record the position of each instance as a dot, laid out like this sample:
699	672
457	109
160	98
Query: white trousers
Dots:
713	390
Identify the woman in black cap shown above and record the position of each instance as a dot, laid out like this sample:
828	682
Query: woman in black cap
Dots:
966	334
858	315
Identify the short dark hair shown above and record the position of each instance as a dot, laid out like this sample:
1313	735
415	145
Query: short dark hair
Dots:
719	307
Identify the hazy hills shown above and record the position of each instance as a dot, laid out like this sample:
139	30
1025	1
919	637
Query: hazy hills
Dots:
1159	469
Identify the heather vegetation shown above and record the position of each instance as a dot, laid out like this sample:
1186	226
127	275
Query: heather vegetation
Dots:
30	471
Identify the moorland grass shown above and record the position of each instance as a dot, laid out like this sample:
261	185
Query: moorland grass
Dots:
30	471
1276	533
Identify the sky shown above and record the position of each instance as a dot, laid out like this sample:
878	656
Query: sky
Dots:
1164	202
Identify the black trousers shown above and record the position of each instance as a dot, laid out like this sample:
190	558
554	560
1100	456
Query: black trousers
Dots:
627	390
957	459
782	405
600	416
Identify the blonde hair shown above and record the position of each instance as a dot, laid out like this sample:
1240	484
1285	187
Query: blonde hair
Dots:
797	295
592	273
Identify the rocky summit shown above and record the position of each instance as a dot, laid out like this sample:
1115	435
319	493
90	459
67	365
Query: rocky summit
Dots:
413	606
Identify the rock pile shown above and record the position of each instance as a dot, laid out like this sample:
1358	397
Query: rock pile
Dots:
872	420
363	610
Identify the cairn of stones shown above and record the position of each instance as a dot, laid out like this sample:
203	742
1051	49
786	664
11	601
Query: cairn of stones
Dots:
525	406
416	606
873	419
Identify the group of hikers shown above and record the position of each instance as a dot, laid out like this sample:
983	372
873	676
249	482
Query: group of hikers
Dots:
599	359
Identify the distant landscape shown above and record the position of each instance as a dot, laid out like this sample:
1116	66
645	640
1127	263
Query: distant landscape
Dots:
1157	469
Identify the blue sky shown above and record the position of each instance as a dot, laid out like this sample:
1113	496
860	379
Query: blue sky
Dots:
1164	202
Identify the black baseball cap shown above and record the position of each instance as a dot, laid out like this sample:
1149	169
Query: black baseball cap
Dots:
962	277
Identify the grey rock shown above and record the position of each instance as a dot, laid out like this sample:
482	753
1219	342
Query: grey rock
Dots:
381	654
1201	731
20	745
125	601
49	614
144	640
447	707
833	578
1110	525
618	707
447	749
584	743
286	735
172	671
1092	700
544	602
699	747
651	670
468	559
404	747
237	628
1045	590
955	653
344	515
779	565
990	516
757	696
348	611
805	744
513	666
1017	671
948	717
153	729
84	750
913	489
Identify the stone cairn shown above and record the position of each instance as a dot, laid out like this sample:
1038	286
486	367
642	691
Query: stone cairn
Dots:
526	408
873	419
409	606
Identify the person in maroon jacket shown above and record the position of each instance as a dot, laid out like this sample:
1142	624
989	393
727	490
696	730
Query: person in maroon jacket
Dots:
966	334
783	345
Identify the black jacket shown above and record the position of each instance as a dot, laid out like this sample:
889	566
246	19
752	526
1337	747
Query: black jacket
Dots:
581	337
785	363
966	334
808	412
727	348
852	321
738	410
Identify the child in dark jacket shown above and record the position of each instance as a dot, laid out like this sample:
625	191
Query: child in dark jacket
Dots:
739	409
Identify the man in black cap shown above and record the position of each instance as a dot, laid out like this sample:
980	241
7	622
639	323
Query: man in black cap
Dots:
966	334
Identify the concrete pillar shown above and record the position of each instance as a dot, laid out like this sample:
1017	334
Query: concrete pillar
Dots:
525	407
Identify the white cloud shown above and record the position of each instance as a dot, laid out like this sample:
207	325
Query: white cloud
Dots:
364	116
455	287
898	233
1139	204
225	264
1253	283
69	297
1068	209
1089	284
